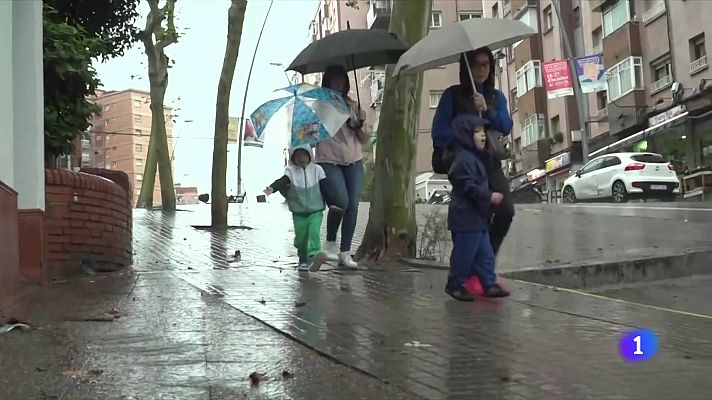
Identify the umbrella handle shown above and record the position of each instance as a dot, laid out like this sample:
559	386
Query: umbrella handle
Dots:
472	79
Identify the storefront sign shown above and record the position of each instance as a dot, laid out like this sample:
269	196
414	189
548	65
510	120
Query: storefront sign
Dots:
535	174
667	115
591	73
557	79
558	162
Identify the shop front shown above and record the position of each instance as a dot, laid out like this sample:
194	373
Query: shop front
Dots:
557	169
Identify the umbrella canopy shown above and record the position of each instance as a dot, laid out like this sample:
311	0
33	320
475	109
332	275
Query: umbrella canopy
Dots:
352	48
311	114
443	46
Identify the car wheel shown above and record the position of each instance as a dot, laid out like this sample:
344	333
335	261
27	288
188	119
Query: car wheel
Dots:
569	196
620	194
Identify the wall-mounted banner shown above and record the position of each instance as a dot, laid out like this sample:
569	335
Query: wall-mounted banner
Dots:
591	73
557	79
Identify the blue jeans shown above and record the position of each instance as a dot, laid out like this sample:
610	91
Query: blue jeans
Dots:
472	254
344	184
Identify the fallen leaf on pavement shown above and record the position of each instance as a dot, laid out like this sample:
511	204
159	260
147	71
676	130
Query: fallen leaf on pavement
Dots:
286	374
83	375
257	377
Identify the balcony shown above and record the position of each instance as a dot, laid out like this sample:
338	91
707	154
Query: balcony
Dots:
660	84
379	14
698	65
507	9
654	12
621	44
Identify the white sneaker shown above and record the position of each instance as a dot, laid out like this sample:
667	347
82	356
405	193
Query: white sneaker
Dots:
345	260
331	251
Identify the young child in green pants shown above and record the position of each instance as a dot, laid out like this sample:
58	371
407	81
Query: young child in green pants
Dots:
301	186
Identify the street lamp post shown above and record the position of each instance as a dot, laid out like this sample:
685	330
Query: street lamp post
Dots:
277	64
581	98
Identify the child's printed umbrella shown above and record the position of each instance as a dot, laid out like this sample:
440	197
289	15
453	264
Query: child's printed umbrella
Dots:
312	114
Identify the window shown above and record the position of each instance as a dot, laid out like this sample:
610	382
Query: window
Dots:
137	102
532	129
577	16
624	77
113	163
495	10
548	19
138	147
531	18
662	76
698	54
649	158
436	19
528	77
108	138
594	165
435	96
615	15
139	162
555	125
602	103
98	138
470	15
597	39
610	161
513	100
139	177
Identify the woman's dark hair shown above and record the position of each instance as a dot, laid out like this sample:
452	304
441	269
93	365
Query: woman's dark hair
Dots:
332	72
466	83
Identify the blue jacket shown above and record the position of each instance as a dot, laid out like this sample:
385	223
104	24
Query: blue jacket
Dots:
497	115
469	208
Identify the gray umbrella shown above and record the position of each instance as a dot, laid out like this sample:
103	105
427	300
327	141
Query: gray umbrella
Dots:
443	46
352	48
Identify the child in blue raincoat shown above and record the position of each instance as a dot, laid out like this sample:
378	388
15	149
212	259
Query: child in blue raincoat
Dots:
469	211
301	185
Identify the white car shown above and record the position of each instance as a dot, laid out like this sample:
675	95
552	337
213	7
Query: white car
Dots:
622	176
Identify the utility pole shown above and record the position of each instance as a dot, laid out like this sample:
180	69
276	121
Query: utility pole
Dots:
581	98
244	104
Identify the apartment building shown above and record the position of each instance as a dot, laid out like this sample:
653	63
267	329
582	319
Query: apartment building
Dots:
659	81
119	136
654	54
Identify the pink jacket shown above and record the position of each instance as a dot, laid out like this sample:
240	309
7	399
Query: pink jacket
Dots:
345	147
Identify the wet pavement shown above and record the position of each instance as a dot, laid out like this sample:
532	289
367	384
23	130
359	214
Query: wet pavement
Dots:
171	341
194	323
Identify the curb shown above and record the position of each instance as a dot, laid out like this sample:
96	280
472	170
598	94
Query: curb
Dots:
595	274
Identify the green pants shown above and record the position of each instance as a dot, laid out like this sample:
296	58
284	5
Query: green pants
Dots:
307	234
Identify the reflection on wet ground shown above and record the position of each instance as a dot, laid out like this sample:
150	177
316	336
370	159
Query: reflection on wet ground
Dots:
195	323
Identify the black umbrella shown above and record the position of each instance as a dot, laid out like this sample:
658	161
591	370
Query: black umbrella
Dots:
352	48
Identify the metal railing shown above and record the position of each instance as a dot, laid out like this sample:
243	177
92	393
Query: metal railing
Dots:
660	84
698	64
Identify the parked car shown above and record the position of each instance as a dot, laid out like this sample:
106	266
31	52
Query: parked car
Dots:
527	193
623	176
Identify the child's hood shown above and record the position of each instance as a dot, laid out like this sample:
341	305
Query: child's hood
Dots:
463	127
304	147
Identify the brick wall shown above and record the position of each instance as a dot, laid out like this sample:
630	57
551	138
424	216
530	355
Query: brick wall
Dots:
9	243
88	217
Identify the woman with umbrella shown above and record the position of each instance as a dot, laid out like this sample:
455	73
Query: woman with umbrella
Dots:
492	104
341	158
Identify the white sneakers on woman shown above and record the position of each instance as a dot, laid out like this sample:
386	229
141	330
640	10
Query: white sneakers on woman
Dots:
344	258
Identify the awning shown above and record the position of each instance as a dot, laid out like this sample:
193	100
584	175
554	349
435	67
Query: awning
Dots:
640	135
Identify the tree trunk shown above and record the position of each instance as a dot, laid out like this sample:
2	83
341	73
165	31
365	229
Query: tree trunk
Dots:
159	157
391	231
219	206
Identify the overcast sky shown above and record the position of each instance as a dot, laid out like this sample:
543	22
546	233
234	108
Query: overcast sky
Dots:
198	61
